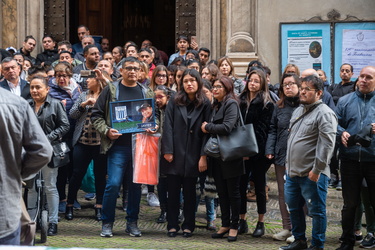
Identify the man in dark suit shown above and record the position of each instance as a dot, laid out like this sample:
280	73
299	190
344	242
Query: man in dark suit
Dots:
12	81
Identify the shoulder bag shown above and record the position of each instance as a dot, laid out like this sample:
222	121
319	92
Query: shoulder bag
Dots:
60	155
212	146
241	142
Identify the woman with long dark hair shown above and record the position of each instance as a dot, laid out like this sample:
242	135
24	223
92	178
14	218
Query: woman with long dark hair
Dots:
277	141
182	148
256	108
227	174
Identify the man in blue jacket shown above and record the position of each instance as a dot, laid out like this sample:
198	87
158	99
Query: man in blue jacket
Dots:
356	118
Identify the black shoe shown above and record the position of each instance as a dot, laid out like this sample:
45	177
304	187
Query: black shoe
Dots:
187	234
243	227
98	213
259	230
162	217
132	229
52	229
296	245
172	233
219	235
232	238
69	213
345	246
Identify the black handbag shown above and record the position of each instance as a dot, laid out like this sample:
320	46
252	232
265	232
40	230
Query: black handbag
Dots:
241	142
212	147
60	155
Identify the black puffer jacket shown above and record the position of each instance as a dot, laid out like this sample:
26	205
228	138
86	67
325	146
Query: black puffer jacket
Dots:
260	117
278	134
47	56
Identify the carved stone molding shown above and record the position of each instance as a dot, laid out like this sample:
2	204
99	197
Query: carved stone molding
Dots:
333	16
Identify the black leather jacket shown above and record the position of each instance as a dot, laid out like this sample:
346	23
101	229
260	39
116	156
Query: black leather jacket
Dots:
53	118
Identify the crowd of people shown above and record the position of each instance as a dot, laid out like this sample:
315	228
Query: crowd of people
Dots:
317	134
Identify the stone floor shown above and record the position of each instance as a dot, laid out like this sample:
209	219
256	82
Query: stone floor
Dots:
84	231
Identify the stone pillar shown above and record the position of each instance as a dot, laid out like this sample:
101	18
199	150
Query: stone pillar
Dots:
241	25
19	19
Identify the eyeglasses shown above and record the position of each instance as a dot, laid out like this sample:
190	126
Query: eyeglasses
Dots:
61	76
345	70
136	69
217	87
161	76
306	89
288	84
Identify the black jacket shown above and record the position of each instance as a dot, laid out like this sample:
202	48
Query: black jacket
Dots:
184	142
223	121
278	133
260	117
339	90
53	118
47	56
25	88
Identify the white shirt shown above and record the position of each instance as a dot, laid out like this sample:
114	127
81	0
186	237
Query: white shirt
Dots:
15	89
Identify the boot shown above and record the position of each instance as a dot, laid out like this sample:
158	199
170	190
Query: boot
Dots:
69	213
163	214
259	230
243	227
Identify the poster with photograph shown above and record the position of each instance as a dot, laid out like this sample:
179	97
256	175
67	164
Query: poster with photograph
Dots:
305	48
132	116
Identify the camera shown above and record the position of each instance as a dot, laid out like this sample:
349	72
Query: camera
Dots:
88	73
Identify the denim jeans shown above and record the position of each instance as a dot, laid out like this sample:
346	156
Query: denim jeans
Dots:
119	160
301	190
13	238
352	175
210	207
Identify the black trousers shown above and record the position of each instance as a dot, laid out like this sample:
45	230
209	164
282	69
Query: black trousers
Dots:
352	174
228	190
258	168
188	184
82	156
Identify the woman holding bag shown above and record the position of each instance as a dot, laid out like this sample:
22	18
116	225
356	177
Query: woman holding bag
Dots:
182	148
227	174
256	107
54	121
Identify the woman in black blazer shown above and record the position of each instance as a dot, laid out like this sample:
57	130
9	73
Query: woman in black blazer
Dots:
182	147
227	175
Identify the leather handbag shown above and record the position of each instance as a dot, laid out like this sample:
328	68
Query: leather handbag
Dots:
60	155
212	147
241	142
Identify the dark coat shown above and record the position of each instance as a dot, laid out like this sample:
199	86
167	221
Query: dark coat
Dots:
25	88
53	118
260	117
185	143
47	56
223	121
278	133
339	90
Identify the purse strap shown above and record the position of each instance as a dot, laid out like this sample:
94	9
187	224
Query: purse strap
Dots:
303	115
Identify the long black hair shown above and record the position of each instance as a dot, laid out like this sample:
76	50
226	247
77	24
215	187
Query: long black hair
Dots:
182	98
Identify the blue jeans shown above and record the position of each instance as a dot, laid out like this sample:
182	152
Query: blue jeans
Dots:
119	160
301	190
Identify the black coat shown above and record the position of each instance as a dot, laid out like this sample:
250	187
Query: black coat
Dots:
185	143
223	121
47	56
260	117
25	88
278	134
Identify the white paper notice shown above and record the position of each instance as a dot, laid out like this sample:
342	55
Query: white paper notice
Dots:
358	49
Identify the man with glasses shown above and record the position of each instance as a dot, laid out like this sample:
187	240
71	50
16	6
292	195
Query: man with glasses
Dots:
119	147
356	118
312	133
11	70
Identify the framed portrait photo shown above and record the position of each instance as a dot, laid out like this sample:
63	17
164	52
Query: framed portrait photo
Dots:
133	116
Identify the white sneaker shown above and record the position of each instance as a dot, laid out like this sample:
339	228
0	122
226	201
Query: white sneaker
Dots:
290	239
144	189
153	200
283	235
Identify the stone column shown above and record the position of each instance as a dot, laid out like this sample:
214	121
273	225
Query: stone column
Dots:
241	47
8	23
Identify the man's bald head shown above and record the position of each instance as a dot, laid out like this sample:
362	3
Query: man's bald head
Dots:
309	72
